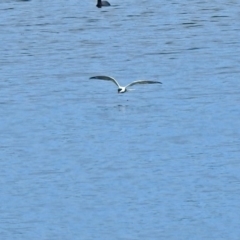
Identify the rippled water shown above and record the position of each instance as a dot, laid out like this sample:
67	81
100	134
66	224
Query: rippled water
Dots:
79	161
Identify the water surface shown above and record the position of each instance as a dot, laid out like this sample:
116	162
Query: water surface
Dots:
79	161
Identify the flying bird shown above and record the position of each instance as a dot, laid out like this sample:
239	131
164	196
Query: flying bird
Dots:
124	89
101	3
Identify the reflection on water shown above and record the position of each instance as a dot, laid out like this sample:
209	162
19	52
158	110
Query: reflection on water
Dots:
79	161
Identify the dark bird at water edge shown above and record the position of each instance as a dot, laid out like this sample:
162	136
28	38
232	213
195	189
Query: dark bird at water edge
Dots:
101	3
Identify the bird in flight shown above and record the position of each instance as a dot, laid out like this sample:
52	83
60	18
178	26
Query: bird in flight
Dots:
123	89
101	3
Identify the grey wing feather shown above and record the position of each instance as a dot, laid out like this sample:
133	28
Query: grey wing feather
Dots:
142	82
106	78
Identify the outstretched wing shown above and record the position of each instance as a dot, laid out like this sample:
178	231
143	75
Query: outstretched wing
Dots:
106	78
142	82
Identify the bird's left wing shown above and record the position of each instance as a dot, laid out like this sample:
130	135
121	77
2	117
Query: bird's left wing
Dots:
106	78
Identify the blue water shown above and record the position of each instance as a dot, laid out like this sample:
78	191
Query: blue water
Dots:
80	161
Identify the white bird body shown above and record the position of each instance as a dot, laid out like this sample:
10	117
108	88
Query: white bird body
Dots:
123	89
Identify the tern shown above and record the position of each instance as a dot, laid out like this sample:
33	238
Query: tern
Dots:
124	89
101	3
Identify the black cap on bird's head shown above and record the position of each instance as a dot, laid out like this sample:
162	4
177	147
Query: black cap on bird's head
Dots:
119	90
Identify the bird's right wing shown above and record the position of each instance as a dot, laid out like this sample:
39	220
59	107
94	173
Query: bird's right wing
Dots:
142	82
106	78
